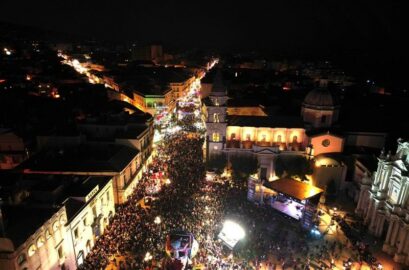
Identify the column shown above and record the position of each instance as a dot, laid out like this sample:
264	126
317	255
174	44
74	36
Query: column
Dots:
395	233
390	228
379	228
358	207
402	240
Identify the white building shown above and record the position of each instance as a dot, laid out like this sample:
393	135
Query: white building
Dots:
53	225
384	202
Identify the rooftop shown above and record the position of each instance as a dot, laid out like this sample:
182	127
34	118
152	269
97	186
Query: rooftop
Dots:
266	121
320	97
46	195
295	189
22	221
81	158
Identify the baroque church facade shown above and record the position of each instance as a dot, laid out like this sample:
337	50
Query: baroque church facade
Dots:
384	202
247	129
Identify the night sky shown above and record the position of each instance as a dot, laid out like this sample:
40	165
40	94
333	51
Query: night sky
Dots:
250	24
376	28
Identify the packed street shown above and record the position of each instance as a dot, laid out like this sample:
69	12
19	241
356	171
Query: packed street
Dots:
174	196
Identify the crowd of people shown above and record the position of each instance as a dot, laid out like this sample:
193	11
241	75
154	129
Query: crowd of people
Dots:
188	202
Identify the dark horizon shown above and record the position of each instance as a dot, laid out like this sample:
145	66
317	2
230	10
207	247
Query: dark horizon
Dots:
280	25
366	35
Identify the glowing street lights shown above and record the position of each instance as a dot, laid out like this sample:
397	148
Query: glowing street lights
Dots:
148	257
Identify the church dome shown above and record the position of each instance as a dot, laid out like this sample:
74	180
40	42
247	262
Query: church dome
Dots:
319	98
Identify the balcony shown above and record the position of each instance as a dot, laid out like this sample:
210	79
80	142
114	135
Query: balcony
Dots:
247	144
233	144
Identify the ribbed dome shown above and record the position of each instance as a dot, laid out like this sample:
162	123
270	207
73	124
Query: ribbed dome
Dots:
320	97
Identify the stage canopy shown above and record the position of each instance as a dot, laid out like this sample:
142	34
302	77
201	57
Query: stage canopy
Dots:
293	188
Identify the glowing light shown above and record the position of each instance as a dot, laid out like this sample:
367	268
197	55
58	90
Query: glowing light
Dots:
148	257
157	220
7	51
231	233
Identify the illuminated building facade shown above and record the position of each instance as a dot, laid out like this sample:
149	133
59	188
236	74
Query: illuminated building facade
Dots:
122	163
60	225
384	202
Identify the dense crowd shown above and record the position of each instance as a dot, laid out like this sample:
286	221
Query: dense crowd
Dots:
192	204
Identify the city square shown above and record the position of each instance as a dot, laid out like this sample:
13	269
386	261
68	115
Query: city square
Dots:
164	135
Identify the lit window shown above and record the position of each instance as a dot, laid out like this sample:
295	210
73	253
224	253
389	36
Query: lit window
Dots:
56	226
47	234
216	137
40	241
216	118
32	250
216	102
279	138
263	137
63	220
248	137
233	136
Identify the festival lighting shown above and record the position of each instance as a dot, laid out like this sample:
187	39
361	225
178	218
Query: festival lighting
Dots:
231	233
157	220
148	257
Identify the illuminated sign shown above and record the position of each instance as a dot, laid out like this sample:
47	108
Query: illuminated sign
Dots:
92	193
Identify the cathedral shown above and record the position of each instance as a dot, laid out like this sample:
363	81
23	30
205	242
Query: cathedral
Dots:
384	202
237	129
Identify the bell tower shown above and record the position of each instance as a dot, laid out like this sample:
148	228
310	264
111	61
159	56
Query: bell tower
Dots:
216	121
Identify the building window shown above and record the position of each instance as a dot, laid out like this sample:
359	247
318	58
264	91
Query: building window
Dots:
94	211
326	143
263	137
63	220
60	253
84	221
233	136
323	118
21	259
40	242
76	233
32	250
248	137
108	199
216	102
56	226
295	138
216	137
279	138
216	118
47	234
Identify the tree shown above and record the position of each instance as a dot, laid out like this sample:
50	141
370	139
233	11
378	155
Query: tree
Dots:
292	166
243	166
217	162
